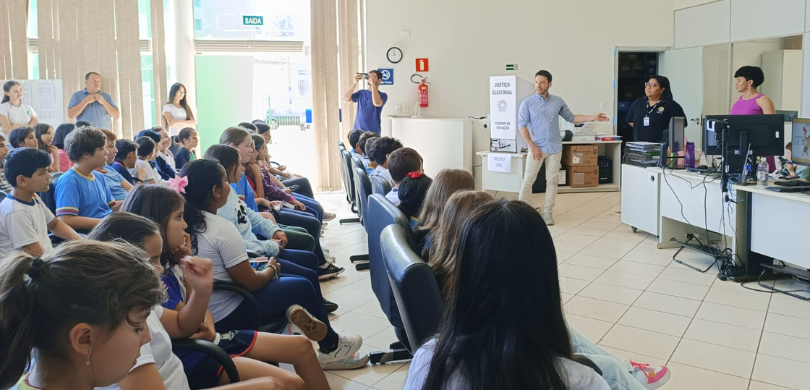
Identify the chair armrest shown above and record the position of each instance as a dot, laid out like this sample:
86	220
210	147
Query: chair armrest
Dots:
209	349
253	254
246	295
275	163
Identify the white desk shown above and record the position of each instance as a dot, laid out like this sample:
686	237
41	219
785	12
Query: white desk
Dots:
779	223
694	204
501	181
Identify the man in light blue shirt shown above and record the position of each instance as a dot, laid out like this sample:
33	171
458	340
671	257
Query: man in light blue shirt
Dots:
540	129
92	105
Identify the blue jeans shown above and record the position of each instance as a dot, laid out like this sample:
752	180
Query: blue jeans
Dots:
616	371
313	206
308	222
298	284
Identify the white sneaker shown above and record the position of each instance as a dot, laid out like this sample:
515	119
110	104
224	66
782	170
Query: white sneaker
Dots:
327	216
549	219
350	363
310	326
347	346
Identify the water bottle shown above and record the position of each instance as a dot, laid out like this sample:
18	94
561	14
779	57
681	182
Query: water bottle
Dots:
690	155
762	173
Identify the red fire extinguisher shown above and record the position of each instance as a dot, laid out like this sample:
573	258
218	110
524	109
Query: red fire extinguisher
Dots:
423	93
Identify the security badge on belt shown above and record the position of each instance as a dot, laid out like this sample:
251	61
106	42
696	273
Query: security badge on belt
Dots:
647	118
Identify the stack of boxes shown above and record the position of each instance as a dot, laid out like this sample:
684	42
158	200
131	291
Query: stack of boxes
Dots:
581	165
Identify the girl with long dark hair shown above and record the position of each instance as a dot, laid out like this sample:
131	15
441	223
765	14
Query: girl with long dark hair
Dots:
13	112
503	326
176	112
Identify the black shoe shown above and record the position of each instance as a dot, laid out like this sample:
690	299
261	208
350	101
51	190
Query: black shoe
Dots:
329	272
329	306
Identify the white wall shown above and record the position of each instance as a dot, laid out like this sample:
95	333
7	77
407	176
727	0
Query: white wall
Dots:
469	41
680	4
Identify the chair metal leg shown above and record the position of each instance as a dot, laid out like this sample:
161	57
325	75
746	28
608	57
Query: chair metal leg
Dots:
358	258
349	220
361	266
394	355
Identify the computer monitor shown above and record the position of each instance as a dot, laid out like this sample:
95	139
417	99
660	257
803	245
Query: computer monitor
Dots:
764	135
789	115
800	150
739	135
676	134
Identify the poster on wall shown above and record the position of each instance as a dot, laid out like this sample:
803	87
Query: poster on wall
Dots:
503	109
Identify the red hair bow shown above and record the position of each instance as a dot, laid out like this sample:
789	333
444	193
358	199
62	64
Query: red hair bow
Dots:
415	175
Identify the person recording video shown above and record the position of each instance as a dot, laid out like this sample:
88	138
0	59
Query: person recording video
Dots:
369	101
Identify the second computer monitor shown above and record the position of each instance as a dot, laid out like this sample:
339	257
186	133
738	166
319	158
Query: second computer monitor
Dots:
800	150
676	134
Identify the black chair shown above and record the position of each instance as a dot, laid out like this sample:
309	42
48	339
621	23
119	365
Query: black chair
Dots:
346	173
209	349
413	285
380	214
379	185
363	188
275	325
417	294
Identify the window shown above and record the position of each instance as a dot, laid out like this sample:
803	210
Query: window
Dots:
283	20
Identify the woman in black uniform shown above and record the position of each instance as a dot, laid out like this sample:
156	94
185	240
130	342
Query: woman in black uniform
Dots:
649	116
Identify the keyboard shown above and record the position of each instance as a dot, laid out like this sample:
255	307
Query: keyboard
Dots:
793	183
790	189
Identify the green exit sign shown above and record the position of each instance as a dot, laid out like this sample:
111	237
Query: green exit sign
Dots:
249	20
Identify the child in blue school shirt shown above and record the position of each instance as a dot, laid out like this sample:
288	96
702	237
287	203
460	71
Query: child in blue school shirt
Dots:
412	192
82	195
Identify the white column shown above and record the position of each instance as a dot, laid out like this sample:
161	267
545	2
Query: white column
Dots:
180	52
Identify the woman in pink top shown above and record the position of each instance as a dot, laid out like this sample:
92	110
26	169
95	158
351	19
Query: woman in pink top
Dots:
747	80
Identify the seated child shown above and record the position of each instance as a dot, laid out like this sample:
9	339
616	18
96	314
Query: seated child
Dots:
160	166
188	140
164	154
277	292
113	285
188	295
125	159
379	153
412	192
354	148
24	218
145	152
5	186
795	171
364	143
44	134
401	162
23	137
59	136
82	195
447	183
160	174
119	186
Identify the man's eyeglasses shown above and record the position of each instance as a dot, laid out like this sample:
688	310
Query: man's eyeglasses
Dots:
650	85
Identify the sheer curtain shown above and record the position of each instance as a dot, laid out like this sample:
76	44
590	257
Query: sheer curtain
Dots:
81	36
13	30
334	22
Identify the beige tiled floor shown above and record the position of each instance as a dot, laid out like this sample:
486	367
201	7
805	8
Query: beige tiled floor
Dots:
621	292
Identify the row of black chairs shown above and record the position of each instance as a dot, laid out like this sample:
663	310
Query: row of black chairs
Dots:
402	282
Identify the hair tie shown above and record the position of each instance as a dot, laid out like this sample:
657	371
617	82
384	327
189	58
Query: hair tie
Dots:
36	268
415	175
179	185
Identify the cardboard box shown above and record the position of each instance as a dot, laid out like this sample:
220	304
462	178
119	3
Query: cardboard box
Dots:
580	155
582	175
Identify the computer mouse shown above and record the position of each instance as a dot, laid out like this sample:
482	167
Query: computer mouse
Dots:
702	167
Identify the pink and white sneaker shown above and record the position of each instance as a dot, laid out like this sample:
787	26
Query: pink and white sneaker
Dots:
650	377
